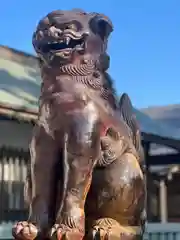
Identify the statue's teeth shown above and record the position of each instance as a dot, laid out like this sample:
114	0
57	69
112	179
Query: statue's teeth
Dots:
67	40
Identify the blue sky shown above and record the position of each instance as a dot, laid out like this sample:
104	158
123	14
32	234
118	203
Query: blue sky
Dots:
144	47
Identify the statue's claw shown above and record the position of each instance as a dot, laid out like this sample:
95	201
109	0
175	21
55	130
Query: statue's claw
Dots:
99	233
61	232
24	231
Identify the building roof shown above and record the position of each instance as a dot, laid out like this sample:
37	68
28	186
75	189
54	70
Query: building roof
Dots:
169	114
19	79
151	126
20	87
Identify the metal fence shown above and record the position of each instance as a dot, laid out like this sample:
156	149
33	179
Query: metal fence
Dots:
163	236
162	231
13	170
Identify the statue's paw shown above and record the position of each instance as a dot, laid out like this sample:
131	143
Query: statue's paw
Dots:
103	233
109	229
24	231
62	232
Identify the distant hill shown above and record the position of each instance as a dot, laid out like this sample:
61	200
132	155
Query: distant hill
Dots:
169	115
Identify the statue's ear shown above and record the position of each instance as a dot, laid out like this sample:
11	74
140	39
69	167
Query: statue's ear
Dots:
101	25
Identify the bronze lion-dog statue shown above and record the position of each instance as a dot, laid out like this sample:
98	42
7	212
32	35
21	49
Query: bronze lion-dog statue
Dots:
85	179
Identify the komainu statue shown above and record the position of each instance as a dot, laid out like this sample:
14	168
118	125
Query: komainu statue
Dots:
85	179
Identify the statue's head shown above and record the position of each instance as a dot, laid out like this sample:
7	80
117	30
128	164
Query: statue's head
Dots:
64	37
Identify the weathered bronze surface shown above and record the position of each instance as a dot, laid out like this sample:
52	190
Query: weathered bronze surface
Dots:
85	179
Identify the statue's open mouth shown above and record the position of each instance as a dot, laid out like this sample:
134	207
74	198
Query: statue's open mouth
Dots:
63	47
67	44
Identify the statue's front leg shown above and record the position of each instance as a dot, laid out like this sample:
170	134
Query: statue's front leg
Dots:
83	147
40	191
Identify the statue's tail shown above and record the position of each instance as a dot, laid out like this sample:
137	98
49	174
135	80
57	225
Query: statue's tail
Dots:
126	110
